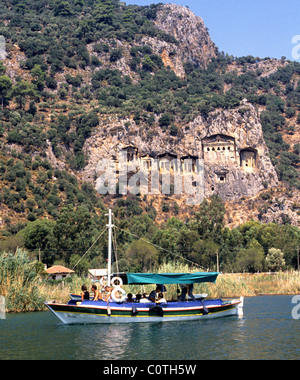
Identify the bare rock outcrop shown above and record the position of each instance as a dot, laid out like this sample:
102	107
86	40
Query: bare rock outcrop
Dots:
191	42
229	143
195	42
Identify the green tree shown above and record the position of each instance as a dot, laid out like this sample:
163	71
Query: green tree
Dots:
166	119
105	11
2	69
210	218
74	233
167	239
21	91
38	237
80	265
205	252
39	77
250	259
5	87
185	244
62	8
142	256
275	260
148	64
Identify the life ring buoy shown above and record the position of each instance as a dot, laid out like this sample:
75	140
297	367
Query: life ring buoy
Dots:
116	279
120	291
103	281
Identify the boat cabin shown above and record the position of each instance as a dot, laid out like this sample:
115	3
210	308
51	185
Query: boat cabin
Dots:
97	274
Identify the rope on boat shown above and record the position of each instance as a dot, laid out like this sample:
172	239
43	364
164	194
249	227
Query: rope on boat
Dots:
163	249
89	248
114	240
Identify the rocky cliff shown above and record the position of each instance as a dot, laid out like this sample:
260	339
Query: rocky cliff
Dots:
189	30
240	125
148	81
189	42
229	143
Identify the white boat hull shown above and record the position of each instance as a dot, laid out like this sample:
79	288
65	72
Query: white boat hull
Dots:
117	314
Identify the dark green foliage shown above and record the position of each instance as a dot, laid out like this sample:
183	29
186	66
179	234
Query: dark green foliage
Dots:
54	35
35	197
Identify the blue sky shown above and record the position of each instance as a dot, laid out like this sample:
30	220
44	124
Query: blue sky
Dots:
262	28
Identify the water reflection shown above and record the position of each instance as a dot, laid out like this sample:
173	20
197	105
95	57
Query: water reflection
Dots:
266	331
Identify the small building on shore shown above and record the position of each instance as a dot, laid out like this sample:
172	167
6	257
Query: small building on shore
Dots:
58	272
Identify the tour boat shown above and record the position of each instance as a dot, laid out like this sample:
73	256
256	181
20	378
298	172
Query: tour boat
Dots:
119	310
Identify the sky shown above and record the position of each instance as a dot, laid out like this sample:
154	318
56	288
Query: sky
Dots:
261	28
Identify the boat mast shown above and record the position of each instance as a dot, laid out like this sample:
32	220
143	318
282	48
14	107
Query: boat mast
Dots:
110	226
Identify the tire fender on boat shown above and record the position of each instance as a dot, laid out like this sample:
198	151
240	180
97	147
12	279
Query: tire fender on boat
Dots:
157	309
116	279
119	290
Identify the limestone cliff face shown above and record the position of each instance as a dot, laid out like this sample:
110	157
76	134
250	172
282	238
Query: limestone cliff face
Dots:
195	43
230	144
192	42
235	154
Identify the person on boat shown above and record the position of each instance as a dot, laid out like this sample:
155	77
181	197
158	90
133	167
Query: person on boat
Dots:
129	298
108	290
138	298
85	295
153	295
160	298
145	298
187	289
97	294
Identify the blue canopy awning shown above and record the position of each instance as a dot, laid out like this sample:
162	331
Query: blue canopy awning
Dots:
171	278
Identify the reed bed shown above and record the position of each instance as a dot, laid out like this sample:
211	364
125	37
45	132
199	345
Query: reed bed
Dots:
60	292
24	288
19	282
251	285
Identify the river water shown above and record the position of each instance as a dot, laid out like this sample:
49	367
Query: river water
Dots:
266	331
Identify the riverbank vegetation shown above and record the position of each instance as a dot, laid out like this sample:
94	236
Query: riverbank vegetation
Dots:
19	282
25	288
24	285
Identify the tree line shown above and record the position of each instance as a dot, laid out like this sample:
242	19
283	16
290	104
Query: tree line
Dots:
140	244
